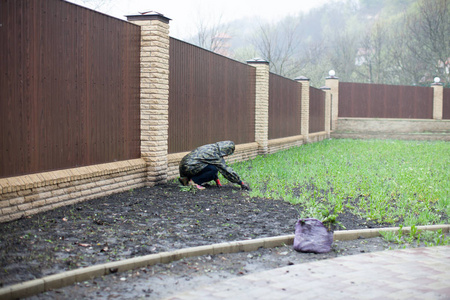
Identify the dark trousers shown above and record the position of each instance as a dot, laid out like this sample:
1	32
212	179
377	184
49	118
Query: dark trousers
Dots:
207	174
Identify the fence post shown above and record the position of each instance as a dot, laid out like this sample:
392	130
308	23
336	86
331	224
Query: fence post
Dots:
154	94
304	130
261	103
327	91
333	83
438	100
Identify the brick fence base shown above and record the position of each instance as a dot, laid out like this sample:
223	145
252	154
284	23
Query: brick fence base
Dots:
402	129
26	195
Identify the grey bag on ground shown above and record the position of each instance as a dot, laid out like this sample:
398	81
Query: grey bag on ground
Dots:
312	236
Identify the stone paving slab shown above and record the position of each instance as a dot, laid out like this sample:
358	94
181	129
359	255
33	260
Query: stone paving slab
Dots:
415	273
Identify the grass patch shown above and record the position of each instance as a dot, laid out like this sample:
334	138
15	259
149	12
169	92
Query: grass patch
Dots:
387	181
416	237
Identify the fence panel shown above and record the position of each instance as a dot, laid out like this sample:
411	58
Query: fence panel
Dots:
211	98
446	104
316	110
284	107
69	87
363	100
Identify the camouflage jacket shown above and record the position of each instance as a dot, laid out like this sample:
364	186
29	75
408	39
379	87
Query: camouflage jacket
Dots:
211	154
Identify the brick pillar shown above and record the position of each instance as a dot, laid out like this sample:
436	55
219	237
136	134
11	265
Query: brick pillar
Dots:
261	103
304	130
327	91
438	100
333	83
154	93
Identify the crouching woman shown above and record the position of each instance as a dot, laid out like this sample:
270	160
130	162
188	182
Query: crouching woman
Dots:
203	164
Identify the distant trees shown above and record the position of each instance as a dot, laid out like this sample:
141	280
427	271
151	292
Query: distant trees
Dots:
374	41
429	40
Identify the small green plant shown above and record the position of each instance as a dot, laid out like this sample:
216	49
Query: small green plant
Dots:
189	188
436	238
331	223
414	235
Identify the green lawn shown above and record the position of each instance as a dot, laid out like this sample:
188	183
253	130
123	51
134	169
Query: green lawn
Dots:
406	182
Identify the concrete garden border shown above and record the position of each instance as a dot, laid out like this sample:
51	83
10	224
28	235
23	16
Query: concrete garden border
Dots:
33	287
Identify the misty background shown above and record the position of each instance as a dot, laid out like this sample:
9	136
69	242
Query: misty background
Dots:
403	42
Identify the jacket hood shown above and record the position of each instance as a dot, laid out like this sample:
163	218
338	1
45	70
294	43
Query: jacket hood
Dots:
225	148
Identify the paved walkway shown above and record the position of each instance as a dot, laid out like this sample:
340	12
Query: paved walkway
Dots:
417	273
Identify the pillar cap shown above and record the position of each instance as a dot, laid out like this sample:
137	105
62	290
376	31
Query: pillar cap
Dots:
301	78
436	84
148	16
332	77
325	88
257	60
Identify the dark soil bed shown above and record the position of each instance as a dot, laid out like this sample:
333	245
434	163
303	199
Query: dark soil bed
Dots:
152	220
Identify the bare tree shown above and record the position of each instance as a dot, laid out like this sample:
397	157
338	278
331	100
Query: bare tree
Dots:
212	34
406	67
279	45
429	36
373	56
343	53
313	62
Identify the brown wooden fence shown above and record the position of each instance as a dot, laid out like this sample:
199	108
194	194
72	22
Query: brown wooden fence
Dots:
69	87
446	104
211	98
316	110
284	107
363	100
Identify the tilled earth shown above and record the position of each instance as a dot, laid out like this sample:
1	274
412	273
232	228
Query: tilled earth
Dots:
152	220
